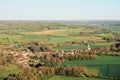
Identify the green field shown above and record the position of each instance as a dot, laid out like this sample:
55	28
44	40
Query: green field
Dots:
46	38
114	29
56	77
93	45
58	36
105	66
49	36
6	70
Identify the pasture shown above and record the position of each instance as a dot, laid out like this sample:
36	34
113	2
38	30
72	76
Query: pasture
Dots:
82	47
57	77
113	29
47	36
6	70
105	66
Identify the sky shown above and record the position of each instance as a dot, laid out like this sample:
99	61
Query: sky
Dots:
59	9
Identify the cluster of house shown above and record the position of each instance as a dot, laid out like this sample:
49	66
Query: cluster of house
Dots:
24	57
21	57
9	52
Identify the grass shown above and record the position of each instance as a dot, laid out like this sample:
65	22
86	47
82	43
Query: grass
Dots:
107	66
114	71
113	29
102	60
53	38
49	32
9	39
49	36
94	45
93	70
57	36
57	77
45	38
16	36
11	68
69	47
102	35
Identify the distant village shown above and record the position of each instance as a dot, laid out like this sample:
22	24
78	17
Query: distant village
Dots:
24	57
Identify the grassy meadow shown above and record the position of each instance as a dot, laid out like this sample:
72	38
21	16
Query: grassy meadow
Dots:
11	34
6	70
57	77
106	66
46	36
93	45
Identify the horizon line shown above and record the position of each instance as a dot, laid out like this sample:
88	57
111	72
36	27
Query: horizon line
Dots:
60	20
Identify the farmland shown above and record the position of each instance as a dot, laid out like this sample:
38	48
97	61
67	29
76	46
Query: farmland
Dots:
94	45
59	50
104	66
77	33
56	77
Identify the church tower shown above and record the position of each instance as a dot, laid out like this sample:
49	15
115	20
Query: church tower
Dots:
89	47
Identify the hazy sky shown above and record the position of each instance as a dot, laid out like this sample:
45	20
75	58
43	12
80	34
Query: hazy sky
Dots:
59	9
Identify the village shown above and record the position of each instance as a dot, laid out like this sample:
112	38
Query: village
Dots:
23	58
